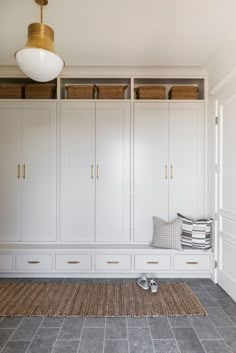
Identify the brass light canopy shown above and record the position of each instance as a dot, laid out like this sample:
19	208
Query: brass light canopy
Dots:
38	59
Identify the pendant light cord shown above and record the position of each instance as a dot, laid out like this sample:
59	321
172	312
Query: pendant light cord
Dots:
41	12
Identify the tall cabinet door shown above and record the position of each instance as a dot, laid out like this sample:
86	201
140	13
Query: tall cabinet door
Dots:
39	171
113	171
10	182
186	159
150	167
77	165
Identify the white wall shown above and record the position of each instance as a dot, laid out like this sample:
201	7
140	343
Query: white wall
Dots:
222	60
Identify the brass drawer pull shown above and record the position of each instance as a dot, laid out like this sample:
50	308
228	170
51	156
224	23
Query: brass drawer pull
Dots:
97	171
18	171
192	262
112	262
24	171
152	262
91	171
166	172
73	262
33	262
171	171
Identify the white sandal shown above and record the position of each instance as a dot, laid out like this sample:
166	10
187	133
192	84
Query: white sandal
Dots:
143	283
153	286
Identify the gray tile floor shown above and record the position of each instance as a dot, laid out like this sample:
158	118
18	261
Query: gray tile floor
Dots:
213	334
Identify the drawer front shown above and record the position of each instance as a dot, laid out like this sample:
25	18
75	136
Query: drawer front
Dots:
33	262
112	262
152	262
192	262
6	262
73	262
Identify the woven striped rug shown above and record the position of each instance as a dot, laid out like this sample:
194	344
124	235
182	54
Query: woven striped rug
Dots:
97	300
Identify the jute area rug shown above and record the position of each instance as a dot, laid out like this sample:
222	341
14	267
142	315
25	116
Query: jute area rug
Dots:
97	300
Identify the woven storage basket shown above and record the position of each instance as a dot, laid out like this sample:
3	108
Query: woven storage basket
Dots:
183	92
150	92
40	91
80	91
110	91
11	91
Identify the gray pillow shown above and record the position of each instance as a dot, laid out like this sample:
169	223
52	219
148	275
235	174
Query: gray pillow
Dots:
167	235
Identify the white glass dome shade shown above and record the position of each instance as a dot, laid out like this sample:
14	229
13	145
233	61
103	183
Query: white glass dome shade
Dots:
38	59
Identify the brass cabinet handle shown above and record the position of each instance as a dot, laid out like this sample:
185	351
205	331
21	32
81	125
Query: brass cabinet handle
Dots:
112	262
73	262
97	171
18	171
33	262
24	169
192	262
91	171
165	171
171	171
152	262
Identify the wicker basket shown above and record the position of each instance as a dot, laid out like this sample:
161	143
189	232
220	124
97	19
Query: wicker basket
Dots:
80	91
150	92
183	92
11	91
110	91
40	91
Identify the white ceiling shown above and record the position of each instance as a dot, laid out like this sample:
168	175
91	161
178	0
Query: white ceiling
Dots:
121	32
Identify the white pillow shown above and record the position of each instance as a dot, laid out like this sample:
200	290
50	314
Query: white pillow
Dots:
167	235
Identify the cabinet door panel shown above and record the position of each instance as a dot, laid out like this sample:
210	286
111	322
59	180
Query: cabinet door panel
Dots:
39	176
113	171
150	172
77	186
187	159
10	184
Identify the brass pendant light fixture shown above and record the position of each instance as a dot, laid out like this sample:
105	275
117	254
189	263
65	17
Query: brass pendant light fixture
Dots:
38	59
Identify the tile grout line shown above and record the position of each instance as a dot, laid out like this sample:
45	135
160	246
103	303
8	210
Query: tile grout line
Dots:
9	339
151	336
198	337
56	340
81	335
222	338
128	335
174	334
104	335
35	335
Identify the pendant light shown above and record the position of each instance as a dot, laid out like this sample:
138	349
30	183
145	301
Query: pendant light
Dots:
38	59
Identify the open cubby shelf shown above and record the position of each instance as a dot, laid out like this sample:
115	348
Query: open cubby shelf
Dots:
132	84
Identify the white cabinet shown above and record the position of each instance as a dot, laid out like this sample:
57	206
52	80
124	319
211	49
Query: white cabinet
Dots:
113	172
10	161
168	163
77	176
186	159
39	171
95	171
150	166
28	171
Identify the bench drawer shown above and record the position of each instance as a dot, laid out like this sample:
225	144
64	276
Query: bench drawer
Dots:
112	262
153	262
192	262
73	262
34	262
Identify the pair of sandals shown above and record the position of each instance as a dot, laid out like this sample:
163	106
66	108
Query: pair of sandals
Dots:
146	284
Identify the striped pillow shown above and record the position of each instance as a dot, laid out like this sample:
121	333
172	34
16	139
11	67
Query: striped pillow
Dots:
196	233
